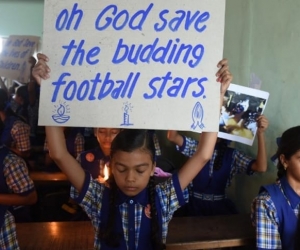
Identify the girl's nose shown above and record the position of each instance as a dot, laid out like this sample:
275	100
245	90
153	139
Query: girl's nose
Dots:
130	176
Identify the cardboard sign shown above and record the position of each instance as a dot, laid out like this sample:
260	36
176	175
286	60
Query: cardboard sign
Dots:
14	59
242	106
133	64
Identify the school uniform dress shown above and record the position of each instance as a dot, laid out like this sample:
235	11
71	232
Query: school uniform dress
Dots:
275	212
133	223
90	161
16	134
14	178
208	189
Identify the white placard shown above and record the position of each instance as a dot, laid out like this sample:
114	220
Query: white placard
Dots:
14	58
133	64
242	106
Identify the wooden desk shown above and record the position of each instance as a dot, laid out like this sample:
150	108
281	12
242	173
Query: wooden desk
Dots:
210	232
41	176
184	233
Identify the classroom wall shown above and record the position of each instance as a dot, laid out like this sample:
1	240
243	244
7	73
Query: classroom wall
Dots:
21	17
259	39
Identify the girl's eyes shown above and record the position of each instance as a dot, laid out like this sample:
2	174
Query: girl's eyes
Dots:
124	170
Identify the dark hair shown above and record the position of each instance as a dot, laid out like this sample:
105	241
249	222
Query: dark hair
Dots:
22	92
4	103
289	144
129	140
4	107
220	153
3	99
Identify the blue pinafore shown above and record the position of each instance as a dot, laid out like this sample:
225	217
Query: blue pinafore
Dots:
90	161
207	194
286	215
144	242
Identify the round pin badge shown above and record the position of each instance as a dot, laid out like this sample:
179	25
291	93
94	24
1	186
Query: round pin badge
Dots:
90	157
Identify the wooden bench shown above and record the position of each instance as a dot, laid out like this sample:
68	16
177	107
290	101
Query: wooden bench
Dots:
46	177
184	233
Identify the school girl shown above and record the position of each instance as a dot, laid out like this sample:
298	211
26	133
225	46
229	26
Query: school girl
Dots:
132	213
15	133
275	211
208	189
16	188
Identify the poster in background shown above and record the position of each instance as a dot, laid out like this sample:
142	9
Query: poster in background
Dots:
241	108
14	58
133	64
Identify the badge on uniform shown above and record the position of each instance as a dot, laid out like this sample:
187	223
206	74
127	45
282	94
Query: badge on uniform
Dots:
90	157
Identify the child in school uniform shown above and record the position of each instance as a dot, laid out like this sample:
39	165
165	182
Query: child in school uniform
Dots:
15	133
133	212
207	190
94	161
16	188
275	211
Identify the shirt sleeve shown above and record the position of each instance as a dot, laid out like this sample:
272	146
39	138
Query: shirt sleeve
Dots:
79	144
90	198
16	175
171	196
188	147
242	163
20	133
264	218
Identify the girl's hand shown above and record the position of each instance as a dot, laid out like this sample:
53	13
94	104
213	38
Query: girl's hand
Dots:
41	70
224	76
171	135
262	124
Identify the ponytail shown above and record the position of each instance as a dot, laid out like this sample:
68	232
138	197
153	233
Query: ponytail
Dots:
155	229
220	154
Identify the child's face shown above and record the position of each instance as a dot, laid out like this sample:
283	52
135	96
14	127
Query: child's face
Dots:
293	166
132	171
105	136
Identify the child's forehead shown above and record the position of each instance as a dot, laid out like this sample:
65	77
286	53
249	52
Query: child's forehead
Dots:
107	129
134	156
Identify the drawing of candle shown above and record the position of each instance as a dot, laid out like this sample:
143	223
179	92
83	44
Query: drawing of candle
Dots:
126	115
126	108
197	116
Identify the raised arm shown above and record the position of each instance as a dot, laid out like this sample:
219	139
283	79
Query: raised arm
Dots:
175	137
207	140
260	165
56	138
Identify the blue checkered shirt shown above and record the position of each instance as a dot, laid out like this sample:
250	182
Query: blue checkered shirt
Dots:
241	162
17	179
91	201
264	218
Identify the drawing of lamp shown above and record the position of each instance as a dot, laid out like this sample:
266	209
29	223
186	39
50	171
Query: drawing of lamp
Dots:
61	117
